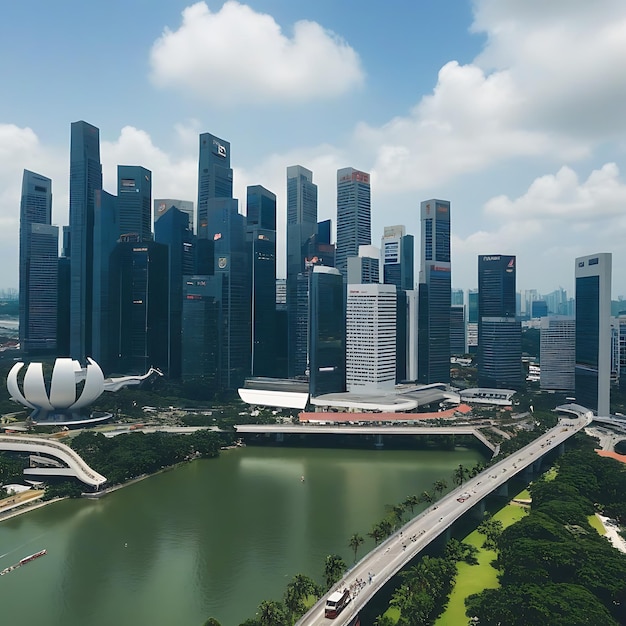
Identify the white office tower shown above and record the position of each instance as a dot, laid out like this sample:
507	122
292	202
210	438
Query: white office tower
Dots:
557	352
371	338
593	332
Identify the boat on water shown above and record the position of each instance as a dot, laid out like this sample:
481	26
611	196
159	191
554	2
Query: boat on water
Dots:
32	557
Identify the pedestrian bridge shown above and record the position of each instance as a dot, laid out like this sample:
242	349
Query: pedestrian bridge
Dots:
73	464
388	558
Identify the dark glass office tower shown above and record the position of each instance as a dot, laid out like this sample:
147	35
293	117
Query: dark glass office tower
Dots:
85	178
434	293
301	226
202	320
261	240
134	192
38	261
138	305
173	229
106	236
457	329
327	332
215	177
354	220
226	227
593	332
499	332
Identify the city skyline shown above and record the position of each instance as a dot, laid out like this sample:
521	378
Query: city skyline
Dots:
463	108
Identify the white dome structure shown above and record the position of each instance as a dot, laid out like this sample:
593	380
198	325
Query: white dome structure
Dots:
61	403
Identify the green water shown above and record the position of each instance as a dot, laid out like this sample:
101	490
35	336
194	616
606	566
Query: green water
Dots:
212	538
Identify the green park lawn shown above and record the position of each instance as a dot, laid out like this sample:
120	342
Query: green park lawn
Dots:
474	578
594	522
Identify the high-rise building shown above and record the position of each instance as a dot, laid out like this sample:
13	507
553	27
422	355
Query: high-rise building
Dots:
261	239
457	329
499	331
227	230
215	177
538	309
301	227
38	266
106	234
201	322
163	205
138	304
434	293
397	250
621	324
593	331
327	332
85	178
458	297
173	229
364	268
472	321
134	197
557	353
354	220
371	337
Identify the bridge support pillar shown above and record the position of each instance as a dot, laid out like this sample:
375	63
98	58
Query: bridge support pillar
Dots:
478	511
447	535
378	442
503	490
280	437
561	449
537	466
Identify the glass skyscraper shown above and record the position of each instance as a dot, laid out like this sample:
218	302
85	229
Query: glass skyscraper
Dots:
163	205
593	332
499	331
134	193
327	332
215	177
354	220
261	239
38	261
434	293
301	227
85	178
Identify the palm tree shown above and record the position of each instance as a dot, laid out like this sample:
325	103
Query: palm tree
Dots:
333	569
297	592
396	513
459	475
271	613
411	502
376	533
439	486
426	497
355	541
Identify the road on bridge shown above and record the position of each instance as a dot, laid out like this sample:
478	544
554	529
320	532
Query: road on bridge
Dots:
370	574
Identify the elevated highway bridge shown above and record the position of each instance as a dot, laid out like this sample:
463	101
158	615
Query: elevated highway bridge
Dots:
388	558
70	463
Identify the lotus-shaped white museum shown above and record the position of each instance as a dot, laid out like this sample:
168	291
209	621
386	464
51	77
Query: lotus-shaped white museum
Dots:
57	402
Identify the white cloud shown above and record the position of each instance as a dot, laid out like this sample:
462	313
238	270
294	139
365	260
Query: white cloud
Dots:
238	55
557	219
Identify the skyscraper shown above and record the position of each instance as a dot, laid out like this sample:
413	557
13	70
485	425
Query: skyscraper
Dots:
434	293
499	331
327	332
301	226
593	331
557	352
398	257
38	260
457	329
261	240
173	229
354	221
371	337
364	268
163	205
215	177
134	197
85	178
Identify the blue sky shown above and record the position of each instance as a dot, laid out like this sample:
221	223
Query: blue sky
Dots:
511	109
